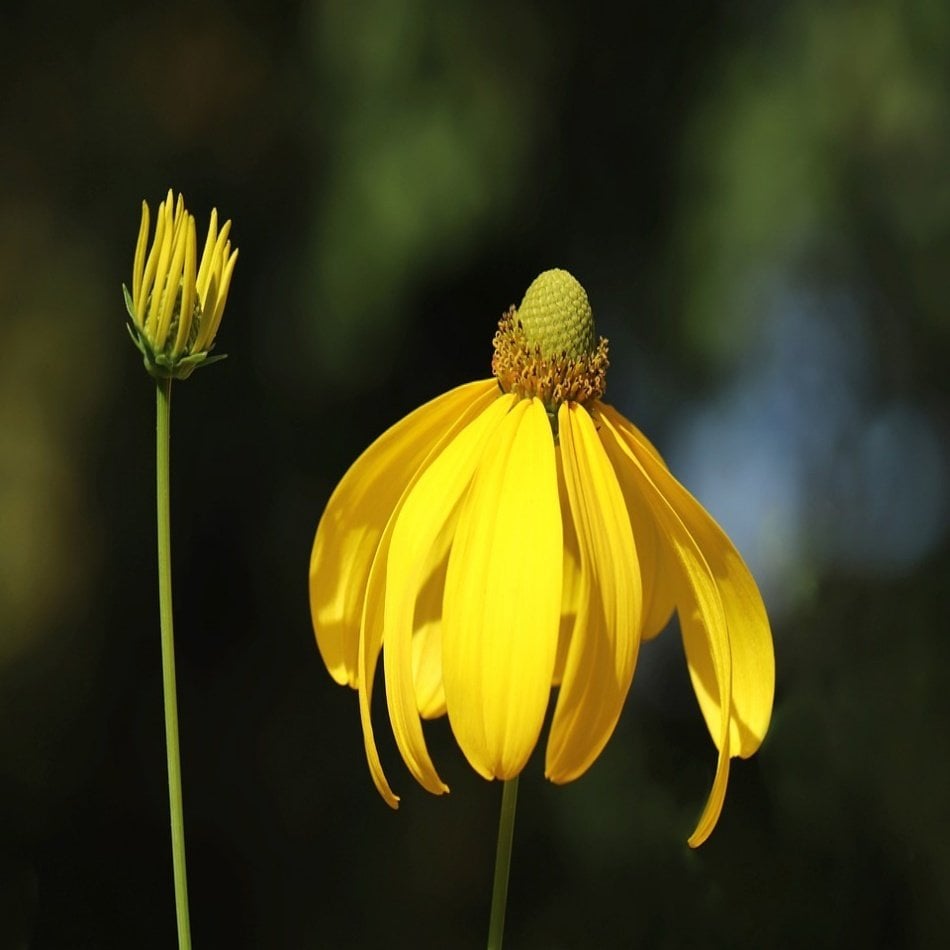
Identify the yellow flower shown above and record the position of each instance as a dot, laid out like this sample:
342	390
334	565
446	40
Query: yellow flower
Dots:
517	534
176	303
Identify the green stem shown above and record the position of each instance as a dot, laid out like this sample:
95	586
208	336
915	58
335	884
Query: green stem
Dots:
499	894
162	443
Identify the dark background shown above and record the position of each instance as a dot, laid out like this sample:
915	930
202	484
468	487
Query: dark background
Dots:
756	197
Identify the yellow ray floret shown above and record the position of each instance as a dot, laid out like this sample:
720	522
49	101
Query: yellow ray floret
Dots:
502	603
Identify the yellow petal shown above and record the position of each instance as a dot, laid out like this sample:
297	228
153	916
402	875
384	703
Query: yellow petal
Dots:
427	669
572	589
427	632
370	645
657	573
659	595
216	295
171	302
750	639
160	287
502	604
603	649
138	264
373	604
419	522
206	267
702	618
151	267
187	312
356	514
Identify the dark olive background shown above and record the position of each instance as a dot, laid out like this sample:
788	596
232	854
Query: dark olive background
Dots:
756	198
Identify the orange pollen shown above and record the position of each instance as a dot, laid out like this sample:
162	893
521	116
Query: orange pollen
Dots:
522	369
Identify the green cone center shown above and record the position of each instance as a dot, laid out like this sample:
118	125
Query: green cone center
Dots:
556	316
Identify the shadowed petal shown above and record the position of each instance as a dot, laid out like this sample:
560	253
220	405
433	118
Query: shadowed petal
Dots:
356	514
427	669
702	619
603	649
656	571
572	584
419	523
502	601
750	639
659	594
427	630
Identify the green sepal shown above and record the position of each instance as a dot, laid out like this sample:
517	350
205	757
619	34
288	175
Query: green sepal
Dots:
128	302
162	365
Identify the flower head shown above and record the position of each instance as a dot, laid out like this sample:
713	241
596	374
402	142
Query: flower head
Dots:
518	534
177	302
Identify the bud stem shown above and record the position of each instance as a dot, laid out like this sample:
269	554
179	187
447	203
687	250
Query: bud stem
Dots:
162	449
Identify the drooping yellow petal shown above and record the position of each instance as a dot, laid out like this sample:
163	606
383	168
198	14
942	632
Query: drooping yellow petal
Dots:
479	396
370	645
702	619
502	603
713	654
750	639
659	595
419	522
659	598
356	515
603	649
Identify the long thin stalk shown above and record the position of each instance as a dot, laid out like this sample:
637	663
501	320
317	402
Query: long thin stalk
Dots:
162	446
499	894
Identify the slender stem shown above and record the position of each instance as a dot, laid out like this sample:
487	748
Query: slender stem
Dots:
499	894
162	441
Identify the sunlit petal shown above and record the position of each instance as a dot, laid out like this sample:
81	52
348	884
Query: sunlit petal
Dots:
419	522
503	597
603	650
356	515
373	616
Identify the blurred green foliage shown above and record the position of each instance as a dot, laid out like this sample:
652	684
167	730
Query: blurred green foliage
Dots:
425	108
824	147
397	173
